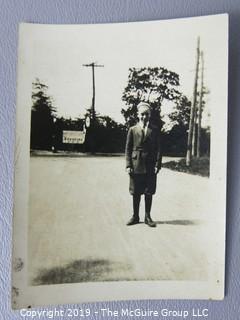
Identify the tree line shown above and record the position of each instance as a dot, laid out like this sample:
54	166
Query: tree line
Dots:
153	85
105	135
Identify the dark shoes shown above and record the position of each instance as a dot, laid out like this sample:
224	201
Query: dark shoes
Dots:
149	222
132	221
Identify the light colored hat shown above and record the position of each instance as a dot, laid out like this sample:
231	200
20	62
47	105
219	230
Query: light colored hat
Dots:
143	106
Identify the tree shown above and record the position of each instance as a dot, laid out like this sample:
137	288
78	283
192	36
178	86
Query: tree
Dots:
175	133
42	115
151	85
105	135
111	135
181	112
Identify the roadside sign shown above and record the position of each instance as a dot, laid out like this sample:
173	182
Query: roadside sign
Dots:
74	137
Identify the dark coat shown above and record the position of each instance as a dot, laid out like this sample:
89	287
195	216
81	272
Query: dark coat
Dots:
143	155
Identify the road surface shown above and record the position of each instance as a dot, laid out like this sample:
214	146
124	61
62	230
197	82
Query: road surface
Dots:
78	209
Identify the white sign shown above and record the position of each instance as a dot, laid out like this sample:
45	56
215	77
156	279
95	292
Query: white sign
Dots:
87	122
77	137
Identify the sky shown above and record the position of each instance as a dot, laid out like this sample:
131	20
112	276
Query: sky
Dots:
56	54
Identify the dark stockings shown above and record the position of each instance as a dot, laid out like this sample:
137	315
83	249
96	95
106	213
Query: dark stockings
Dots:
148	204
136	203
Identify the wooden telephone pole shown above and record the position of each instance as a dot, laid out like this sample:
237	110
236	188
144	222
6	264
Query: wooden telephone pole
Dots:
92	125
93	65
200	107
193	109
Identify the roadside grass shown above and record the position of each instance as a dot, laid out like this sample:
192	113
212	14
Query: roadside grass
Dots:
198	166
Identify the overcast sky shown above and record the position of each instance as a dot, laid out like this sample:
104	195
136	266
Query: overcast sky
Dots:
56	54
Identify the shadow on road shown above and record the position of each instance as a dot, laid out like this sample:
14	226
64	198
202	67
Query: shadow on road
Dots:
79	271
179	222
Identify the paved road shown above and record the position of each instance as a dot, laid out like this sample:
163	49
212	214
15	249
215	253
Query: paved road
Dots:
78	209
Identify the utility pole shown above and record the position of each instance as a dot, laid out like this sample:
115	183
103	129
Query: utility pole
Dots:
193	151
92	126
200	107
93	65
193	109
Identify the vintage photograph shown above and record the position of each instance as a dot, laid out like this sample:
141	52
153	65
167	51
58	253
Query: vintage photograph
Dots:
121	148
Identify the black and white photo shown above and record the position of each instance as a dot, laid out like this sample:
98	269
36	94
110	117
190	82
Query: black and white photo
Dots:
120	173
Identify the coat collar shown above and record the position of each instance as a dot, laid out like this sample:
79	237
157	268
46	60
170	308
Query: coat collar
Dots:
140	124
140	130
149	130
